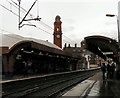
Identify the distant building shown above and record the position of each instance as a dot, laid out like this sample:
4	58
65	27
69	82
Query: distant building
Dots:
87	58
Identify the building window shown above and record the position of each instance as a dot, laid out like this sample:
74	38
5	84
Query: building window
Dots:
74	50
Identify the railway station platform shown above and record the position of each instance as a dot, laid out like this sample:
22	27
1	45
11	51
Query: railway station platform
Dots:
95	87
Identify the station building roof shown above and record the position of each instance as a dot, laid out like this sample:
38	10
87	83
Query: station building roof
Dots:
13	40
102	45
9	40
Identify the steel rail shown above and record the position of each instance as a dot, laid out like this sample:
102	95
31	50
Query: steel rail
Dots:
36	86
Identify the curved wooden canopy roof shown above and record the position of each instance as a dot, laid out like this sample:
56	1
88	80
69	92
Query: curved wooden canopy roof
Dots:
102	46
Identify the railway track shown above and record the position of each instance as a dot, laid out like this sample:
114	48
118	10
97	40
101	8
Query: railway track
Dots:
44	86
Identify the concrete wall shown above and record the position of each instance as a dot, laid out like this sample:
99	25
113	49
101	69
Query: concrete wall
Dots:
4	50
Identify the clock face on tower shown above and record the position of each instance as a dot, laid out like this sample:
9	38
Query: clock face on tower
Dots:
58	36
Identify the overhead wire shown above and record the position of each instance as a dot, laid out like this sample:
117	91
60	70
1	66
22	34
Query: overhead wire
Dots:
16	37
37	8
23	10
30	15
9	35
42	21
38	14
28	22
8	9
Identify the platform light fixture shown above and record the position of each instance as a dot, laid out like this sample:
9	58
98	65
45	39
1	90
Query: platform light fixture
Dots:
112	15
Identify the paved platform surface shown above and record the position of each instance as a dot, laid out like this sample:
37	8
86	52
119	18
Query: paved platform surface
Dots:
95	87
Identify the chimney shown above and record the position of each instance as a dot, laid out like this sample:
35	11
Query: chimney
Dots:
69	46
75	45
65	45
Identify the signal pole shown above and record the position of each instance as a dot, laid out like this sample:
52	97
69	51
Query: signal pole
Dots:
20	22
19	14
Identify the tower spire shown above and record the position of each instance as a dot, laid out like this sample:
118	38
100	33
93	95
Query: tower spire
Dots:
57	32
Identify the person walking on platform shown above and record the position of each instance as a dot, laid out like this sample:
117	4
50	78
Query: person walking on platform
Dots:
25	69
112	70
108	71
103	68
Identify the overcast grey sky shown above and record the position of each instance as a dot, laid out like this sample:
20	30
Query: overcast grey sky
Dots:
80	18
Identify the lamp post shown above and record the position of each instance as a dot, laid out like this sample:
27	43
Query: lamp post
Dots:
118	63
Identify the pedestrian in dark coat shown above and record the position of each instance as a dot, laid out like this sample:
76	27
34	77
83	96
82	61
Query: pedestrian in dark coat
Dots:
103	68
108	71
25	69
112	70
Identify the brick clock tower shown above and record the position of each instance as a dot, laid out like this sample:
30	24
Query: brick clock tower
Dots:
57	32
